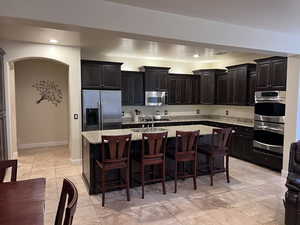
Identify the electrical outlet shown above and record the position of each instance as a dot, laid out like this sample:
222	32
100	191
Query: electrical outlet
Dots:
166	112
75	116
226	112
198	111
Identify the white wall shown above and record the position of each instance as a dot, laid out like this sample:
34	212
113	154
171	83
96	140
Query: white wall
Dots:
292	115
67	55
41	124
133	64
105	15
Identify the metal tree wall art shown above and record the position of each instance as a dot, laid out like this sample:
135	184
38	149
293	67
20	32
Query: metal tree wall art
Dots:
49	91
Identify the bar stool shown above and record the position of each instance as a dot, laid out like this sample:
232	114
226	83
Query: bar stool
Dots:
186	151
115	152
219	147
153	154
4	165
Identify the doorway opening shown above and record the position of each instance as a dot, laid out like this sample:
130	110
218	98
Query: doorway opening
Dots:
42	105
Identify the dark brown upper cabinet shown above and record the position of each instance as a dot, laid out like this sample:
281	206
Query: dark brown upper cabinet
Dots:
100	75
238	83
251	87
208	85
183	89
156	78
222	89
271	73
133	88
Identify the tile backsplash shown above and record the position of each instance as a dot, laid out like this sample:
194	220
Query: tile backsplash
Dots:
246	112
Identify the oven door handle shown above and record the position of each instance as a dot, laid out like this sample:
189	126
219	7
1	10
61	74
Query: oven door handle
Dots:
271	129
257	101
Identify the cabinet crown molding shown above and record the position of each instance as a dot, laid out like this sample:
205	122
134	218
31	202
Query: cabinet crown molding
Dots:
270	58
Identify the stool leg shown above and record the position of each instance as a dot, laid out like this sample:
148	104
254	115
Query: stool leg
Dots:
103	187
227	168
163	178
175	177
211	168
143	179
195	174
127	184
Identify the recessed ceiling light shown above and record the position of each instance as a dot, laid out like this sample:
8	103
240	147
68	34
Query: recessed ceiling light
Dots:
53	41
196	56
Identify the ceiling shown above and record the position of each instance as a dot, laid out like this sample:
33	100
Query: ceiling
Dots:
276	15
114	44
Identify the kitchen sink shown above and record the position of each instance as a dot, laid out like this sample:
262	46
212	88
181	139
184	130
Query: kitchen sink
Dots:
149	129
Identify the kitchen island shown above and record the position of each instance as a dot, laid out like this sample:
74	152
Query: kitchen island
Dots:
91	141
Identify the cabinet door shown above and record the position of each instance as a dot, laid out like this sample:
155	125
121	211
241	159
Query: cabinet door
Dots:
222	89
188	99
172	90
91	75
2	86
230	86
278	74
195	90
3	146
111	77
240	86
132	88
156	80
207	88
251	88
163	81
263	75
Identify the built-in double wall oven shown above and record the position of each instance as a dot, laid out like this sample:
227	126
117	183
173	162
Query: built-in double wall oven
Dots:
269	121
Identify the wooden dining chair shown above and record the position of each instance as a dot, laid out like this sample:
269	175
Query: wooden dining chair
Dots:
4	165
115	152
186	151
67	204
153	154
219	147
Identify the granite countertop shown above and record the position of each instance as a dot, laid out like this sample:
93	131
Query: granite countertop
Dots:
94	137
220	120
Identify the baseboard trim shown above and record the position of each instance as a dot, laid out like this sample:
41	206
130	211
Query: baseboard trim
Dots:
284	173
76	161
15	155
42	145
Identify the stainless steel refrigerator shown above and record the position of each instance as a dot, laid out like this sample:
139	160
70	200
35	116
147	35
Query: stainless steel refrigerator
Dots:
101	110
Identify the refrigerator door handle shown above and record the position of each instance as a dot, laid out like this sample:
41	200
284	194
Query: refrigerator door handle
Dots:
100	115
101	108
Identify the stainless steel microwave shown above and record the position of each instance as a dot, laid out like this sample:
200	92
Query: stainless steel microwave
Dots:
155	98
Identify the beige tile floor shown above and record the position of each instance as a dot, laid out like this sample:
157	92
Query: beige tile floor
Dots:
254	196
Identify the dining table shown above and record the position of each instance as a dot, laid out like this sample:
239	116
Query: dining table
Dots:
22	202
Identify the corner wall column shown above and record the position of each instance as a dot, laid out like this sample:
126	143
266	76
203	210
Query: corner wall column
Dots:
292	113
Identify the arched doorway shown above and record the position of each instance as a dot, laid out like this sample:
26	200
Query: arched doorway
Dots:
42	105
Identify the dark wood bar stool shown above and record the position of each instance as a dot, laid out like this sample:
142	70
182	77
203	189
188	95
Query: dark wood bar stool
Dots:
115	152
4	165
219	147
153	154
186	151
66	209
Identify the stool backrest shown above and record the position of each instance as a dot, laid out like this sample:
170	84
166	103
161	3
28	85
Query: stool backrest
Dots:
221	138
67	204
154	144
186	141
4	165
115	148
